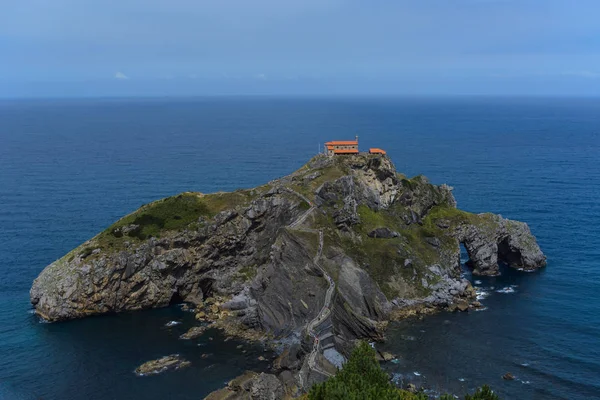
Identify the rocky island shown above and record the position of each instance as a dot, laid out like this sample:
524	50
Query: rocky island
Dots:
315	260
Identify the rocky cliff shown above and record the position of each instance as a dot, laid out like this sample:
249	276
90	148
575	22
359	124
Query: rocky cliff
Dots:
387	243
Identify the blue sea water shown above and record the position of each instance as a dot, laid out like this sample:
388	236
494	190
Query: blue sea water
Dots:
69	168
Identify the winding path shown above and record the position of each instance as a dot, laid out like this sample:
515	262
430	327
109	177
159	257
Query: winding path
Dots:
326	310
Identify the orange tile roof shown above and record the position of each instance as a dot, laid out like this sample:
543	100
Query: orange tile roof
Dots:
376	151
342	143
348	151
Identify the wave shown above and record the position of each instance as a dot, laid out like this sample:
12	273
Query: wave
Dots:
481	293
506	289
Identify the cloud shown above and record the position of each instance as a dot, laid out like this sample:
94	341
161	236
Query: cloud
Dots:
261	77
120	75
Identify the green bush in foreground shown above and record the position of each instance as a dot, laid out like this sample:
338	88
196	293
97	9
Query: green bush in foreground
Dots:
362	378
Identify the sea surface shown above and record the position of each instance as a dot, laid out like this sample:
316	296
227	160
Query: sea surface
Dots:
69	168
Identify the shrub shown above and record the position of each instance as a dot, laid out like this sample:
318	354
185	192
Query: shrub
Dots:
362	378
483	393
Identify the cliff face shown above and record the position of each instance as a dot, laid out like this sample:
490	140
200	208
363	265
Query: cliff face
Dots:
388	242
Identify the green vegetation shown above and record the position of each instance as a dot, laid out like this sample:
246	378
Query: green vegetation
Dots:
371	219
170	214
167	214
454	217
384	259
304	206
302	184
362	378
482	393
247	272
310	240
85	252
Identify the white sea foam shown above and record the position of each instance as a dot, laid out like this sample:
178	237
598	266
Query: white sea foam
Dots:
525	364
417	373
481	309
525	382
461	379
172	323
506	289
481	293
478	282
526	270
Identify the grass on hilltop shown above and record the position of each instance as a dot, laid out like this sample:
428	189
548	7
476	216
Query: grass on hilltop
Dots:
174	213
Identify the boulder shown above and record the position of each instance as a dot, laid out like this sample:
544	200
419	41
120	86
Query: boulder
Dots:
289	359
462	305
201	316
385	356
383	233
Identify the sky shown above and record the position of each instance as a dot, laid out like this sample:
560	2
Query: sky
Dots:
55	48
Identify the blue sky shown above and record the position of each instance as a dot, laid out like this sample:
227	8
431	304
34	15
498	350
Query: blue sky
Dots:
203	47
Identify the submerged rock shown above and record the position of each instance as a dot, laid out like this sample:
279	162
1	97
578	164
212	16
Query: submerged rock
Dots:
508	376
174	361
193	332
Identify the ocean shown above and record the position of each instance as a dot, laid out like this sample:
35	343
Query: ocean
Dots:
69	168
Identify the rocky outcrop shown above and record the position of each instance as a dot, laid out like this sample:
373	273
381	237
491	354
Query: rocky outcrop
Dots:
250	386
186	265
495	239
174	361
391	244
193	333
